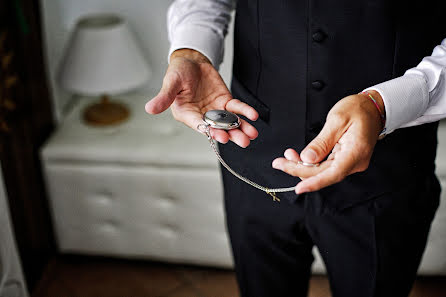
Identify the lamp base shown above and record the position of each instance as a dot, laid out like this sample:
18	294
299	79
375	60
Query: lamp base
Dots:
105	113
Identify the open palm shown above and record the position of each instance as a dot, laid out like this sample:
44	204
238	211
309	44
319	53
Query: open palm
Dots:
192	88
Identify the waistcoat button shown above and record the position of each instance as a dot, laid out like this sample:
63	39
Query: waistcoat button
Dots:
317	84
319	36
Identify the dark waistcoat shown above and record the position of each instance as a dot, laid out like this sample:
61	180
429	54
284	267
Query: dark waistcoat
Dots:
294	59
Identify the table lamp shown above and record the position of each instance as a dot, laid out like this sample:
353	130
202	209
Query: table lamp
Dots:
102	59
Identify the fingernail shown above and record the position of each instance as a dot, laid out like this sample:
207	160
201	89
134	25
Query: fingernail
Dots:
275	164
301	190
146	107
287	155
309	156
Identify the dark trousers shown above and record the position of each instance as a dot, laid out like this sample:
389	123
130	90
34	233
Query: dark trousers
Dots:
370	249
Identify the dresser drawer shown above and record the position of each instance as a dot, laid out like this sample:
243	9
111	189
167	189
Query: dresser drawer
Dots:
162	213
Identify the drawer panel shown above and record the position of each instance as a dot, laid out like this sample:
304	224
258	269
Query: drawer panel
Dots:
167	213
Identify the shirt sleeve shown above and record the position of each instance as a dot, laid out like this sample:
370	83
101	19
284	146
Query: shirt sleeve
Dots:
419	96
200	25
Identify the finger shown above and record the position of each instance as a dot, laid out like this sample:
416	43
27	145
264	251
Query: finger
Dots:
220	135
249	130
292	155
321	146
239	107
319	181
299	170
239	138
170	89
338	170
285	165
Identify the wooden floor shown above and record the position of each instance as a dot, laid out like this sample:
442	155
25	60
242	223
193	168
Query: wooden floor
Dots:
75	276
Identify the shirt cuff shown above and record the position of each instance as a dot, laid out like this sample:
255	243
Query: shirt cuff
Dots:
201	39
405	99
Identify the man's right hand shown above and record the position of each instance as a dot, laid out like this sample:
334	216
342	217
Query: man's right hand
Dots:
191	87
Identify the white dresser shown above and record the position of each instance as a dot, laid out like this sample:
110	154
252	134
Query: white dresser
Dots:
148	188
151	188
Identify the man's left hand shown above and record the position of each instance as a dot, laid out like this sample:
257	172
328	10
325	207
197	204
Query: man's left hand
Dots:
347	138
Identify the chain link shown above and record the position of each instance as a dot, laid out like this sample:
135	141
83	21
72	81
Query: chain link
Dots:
205	128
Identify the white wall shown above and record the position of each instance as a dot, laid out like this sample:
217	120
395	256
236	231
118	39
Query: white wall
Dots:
11	277
147	18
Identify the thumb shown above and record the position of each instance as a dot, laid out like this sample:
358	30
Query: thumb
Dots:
321	146
169	91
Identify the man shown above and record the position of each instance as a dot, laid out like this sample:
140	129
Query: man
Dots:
293	63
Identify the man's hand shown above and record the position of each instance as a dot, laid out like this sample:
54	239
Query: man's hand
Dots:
191	87
347	138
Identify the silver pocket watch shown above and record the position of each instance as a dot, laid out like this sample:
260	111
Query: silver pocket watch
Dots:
222	119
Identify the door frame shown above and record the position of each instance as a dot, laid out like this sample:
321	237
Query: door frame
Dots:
26	121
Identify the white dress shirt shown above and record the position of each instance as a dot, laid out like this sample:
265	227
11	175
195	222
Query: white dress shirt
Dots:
417	97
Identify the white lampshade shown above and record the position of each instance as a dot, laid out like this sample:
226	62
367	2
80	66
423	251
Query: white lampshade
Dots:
102	57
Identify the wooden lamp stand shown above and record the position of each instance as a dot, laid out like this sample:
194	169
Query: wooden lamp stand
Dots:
105	113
